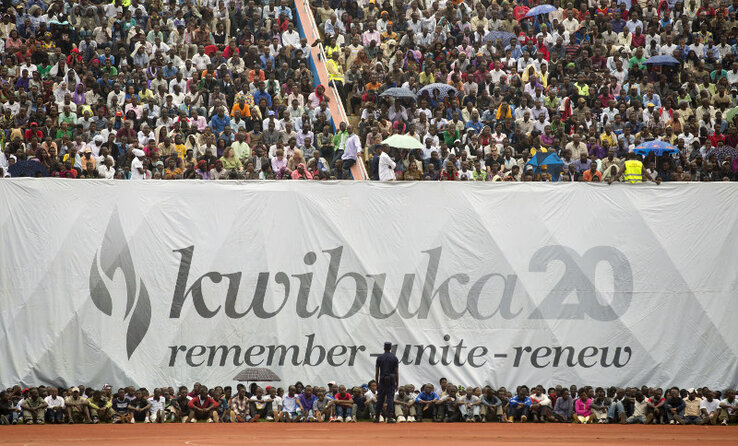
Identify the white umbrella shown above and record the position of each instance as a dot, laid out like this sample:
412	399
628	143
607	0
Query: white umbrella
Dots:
403	142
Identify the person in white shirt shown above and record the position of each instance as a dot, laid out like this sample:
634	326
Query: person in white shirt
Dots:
386	165
106	169
371	398
469	405
709	408
137	168
156	409
289	412
55	407
290	38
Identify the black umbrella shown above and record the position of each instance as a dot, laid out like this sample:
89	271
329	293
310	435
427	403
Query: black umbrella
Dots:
28	169
257	374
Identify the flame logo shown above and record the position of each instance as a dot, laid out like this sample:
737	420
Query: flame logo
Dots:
114	254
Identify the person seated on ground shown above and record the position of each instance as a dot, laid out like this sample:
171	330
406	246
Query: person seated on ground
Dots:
156	407
138	408
404	405
239	406
34	407
202	407
692	407
449	406
582	408
260	406
78	410
101	408
640	409
469	405
564	407
427	403
55	406
709	408
519	406
728	408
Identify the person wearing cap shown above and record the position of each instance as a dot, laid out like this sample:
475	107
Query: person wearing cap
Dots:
78	410
692	403
33	407
387	376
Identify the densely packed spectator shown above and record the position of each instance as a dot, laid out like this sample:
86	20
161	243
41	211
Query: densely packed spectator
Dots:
221	89
152	89
334	402
572	81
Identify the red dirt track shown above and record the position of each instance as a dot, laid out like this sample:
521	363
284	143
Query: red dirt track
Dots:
366	433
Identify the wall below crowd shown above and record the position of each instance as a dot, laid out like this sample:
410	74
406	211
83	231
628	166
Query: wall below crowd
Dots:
165	283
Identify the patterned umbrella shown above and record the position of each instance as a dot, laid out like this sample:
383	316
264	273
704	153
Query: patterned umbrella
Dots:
657	147
443	89
257	374
28	169
504	36
722	152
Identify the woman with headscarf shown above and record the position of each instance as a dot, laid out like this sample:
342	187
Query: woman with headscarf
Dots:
78	97
60	92
413	61
317	97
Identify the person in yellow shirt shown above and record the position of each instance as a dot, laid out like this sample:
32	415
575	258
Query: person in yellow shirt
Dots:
335	74
608	136
179	147
426	76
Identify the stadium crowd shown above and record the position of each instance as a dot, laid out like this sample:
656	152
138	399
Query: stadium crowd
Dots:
221	89
337	403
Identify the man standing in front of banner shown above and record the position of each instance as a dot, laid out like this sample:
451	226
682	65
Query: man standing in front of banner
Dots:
387	375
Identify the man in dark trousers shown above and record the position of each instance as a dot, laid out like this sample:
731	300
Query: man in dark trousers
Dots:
387	375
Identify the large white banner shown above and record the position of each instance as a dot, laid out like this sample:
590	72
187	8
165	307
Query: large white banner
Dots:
167	283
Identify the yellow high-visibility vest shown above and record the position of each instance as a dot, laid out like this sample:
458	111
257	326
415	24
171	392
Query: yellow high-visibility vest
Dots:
633	171
334	70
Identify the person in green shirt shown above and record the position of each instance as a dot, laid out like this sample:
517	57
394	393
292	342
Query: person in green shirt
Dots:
33	408
230	160
109	69
63	132
43	70
637	60
451	134
339	141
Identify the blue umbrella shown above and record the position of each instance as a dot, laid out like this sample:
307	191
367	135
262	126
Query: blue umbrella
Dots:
443	89
398	92
504	36
544	159
28	169
540	9
657	147
663	59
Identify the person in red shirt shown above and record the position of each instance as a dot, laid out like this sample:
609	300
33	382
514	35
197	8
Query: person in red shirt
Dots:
202	407
344	404
656	411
